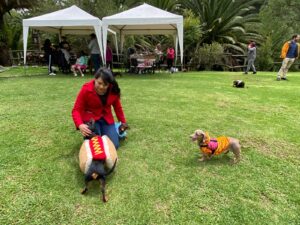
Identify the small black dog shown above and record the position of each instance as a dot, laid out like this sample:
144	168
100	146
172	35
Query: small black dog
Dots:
238	84
97	169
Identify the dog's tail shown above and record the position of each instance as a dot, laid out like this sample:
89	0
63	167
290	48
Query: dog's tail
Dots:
112	169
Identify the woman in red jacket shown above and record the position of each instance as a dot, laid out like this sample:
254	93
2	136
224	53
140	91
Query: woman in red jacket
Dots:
94	101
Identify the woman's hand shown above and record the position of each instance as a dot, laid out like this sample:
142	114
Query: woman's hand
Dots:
84	130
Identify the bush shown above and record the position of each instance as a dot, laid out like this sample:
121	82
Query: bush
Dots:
264	59
209	55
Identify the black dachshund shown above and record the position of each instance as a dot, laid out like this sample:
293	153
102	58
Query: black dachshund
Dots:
238	84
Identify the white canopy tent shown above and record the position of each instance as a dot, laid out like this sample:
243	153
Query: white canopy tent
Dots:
145	19
72	20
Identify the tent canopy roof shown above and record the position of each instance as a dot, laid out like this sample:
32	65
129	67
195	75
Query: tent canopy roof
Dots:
72	20
144	17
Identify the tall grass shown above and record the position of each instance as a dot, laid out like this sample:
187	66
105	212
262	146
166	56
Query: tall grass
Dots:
158	179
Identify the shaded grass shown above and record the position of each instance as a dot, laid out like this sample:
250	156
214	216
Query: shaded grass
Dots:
21	71
158	179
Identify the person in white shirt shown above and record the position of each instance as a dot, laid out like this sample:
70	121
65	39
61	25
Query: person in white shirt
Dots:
95	52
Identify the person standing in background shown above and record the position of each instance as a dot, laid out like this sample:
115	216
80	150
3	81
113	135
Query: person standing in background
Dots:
95	52
65	48
109	56
64	43
251	56
289	52
159	55
170	57
48	49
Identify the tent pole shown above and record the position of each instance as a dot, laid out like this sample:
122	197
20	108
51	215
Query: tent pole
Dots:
176	49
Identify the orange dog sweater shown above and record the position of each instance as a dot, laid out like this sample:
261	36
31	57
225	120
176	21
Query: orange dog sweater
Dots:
214	146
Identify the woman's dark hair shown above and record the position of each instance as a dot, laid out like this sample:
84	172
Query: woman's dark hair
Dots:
107	77
81	53
47	42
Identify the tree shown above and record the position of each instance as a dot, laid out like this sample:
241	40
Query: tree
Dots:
13	29
226	21
168	5
280	20
192	34
5	7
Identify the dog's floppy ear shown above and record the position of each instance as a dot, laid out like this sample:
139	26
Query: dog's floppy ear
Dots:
91	124
234	83
203	137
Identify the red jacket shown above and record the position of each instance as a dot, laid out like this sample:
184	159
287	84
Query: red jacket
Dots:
88	105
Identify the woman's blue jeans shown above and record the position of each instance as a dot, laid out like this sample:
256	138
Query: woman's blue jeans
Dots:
103	128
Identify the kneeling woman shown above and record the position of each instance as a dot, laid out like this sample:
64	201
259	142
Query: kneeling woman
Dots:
94	101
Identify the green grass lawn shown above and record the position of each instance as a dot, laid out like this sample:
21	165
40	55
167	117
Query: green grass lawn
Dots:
158	179
20	71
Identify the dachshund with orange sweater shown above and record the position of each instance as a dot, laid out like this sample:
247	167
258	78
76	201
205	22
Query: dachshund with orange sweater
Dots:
215	146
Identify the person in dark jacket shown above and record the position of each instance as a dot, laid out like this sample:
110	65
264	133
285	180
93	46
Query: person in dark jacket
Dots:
48	49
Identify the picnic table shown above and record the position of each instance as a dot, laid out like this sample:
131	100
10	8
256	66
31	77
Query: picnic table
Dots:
142	63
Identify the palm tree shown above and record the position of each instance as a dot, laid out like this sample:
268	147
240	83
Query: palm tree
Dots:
226	21
5	7
168	5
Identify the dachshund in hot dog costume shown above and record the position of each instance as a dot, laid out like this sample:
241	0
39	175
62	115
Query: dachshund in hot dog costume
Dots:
97	159
215	146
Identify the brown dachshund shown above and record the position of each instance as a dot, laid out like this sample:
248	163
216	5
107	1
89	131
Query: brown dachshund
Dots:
215	146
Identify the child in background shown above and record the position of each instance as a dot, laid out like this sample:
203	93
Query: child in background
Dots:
80	65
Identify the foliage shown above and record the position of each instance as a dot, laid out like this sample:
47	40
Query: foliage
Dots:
5	7
192	33
13	29
158	179
168	5
209	55
280	20
225	21
265	59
